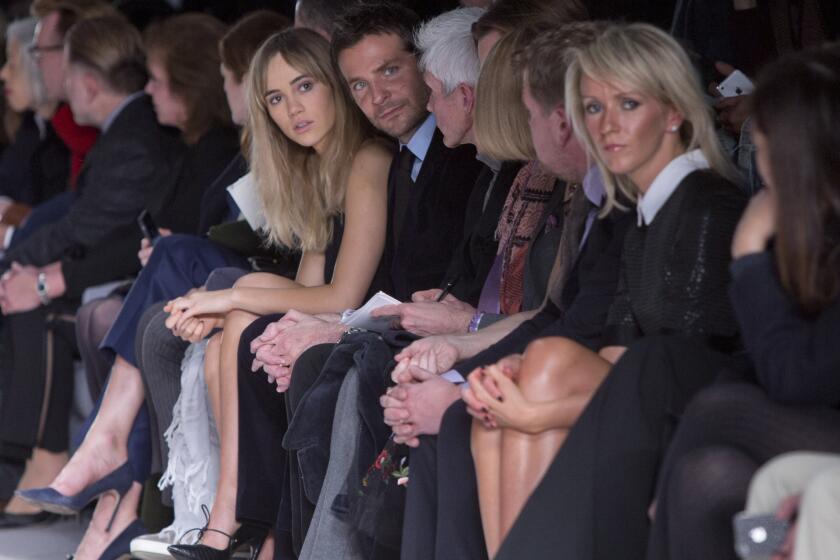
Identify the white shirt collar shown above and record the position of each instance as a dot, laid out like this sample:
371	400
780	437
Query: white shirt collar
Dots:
666	183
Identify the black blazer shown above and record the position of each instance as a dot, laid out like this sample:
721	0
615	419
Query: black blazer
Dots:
434	219
475	255
180	208
33	167
128	163
174	204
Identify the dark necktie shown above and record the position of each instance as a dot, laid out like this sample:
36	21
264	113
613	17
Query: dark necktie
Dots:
402	190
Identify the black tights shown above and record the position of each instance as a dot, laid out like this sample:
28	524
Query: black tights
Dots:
728	431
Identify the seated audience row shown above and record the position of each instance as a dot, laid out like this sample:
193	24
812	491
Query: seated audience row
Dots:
594	339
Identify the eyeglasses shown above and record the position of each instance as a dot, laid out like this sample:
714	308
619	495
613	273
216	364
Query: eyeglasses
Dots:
38	51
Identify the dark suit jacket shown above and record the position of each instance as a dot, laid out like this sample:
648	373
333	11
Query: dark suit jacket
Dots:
34	168
434	219
127	164
180	208
475	255
174	204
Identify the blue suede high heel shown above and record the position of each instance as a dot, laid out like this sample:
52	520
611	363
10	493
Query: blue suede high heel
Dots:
51	500
122	543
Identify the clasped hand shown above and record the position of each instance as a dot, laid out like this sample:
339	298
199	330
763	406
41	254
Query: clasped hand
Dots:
277	349
194	315
492	396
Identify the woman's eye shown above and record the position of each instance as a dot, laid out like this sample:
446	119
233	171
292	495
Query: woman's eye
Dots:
274	99
305	86
629	104
592	108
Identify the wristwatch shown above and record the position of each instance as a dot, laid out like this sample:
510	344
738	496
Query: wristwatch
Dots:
41	288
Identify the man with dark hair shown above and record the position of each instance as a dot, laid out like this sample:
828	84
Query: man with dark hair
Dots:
319	15
429	186
132	162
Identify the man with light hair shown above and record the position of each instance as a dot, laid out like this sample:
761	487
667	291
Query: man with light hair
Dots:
449	61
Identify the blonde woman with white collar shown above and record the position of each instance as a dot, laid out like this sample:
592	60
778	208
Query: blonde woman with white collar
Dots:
633	99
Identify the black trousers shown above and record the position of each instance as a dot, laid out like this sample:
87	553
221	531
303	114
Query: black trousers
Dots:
262	422
728	431
593	501
37	349
442	517
270	491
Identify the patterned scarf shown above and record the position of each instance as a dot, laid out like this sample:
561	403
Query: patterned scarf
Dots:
526	201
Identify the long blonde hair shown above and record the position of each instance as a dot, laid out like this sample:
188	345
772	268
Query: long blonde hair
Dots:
652	62
300	190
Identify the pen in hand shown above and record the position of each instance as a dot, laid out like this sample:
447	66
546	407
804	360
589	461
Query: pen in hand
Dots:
447	289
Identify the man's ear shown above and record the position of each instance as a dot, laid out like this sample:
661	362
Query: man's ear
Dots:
561	125
467	96
91	85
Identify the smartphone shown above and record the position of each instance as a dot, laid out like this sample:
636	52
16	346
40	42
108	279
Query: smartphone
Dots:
147	226
759	536
736	84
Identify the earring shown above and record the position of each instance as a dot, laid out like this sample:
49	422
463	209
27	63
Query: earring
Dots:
674	128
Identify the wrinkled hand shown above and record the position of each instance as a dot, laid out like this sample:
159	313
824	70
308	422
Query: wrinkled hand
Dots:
786	511
757	225
271	332
427	318
415	409
732	112
19	290
277	357
436	354
493	397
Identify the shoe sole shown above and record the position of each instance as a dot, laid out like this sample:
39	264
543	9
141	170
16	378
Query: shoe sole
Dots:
151	551
150	556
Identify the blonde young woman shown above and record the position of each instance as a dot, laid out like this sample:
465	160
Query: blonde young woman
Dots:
322	176
637	106
318	166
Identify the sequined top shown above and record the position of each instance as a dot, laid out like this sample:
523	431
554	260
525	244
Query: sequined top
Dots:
675	271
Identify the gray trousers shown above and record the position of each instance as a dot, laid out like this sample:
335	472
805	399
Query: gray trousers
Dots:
328	536
159	355
816	476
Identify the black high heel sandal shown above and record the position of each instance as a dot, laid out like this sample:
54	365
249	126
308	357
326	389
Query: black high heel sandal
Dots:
247	540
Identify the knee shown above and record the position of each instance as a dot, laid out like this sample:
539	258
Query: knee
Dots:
769	486
722	400
104	315
211	371
545	363
822	495
256	280
711	478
